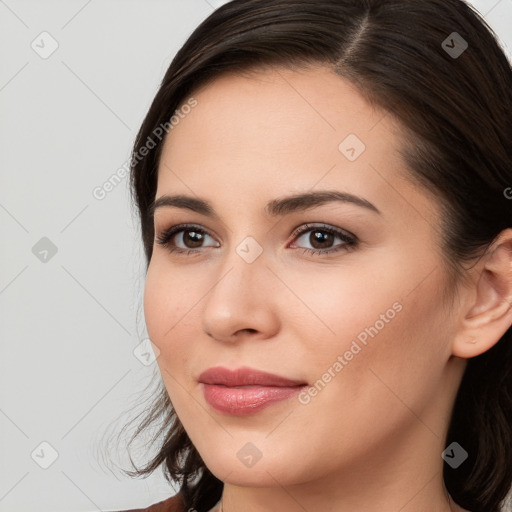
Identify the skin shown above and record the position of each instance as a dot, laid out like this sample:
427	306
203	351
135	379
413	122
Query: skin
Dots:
371	439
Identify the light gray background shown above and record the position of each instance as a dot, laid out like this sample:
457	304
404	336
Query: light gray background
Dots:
69	325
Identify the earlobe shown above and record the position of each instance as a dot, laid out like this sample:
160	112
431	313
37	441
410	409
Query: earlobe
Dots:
489	316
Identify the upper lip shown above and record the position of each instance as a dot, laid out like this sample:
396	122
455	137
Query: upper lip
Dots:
245	377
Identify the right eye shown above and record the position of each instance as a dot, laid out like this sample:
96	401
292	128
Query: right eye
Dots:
191	238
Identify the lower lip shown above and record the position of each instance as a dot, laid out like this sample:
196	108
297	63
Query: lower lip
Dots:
245	400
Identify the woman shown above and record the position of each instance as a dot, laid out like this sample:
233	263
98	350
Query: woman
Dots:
327	222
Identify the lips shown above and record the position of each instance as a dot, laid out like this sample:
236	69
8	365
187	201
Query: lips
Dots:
245	377
245	390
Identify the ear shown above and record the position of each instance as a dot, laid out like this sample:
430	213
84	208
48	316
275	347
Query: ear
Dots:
487	313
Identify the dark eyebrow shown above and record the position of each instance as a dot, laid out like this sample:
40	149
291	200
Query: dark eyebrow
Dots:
276	207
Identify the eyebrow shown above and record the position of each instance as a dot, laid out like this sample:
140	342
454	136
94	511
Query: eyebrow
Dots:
274	208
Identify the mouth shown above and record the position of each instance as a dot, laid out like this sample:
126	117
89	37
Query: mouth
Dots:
245	400
245	390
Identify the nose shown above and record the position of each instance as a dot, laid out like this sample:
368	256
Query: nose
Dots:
242	301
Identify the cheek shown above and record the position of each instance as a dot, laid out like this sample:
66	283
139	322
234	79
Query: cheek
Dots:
169	314
155	306
168	306
373	336
336	308
368	377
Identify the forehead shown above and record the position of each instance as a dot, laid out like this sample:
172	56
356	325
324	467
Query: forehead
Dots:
266	133
294	105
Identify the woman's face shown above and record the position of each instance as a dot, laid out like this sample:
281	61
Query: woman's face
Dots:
359	321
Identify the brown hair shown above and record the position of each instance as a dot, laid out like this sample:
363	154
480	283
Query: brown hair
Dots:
456	110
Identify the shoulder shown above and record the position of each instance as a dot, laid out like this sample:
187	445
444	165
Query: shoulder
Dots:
172	504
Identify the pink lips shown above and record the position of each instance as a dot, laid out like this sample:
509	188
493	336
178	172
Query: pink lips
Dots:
245	390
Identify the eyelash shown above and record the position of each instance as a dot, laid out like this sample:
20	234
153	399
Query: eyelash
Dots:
350	241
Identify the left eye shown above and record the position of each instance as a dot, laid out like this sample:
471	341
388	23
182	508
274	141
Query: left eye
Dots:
320	237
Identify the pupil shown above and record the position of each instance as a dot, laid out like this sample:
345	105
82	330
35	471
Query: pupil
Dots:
198	238
319	236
